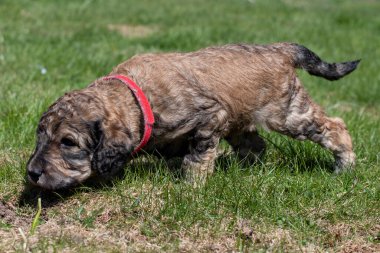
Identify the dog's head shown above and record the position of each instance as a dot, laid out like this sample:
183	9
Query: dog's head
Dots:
79	136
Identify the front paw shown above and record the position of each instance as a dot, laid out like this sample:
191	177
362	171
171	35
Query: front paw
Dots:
195	172
344	161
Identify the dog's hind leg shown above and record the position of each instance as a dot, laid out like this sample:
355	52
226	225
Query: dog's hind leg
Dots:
248	145
304	119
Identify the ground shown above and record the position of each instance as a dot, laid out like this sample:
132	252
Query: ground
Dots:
290	201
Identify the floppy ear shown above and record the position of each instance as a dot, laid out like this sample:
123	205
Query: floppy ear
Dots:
113	147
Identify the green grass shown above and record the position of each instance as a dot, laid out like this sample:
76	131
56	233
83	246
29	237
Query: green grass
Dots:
289	202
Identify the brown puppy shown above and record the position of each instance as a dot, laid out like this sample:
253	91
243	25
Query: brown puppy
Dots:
197	99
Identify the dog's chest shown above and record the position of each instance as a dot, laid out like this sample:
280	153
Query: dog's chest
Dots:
168	148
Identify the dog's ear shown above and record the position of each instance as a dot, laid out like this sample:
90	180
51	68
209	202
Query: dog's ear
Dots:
112	147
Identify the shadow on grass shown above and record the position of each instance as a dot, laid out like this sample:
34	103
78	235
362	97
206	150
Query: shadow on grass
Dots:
299	157
287	161
306	165
150	168
30	194
140	168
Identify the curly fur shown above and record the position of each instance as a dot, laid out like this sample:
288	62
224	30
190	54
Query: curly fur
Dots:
197	99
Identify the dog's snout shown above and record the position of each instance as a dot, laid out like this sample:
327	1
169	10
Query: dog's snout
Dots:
35	174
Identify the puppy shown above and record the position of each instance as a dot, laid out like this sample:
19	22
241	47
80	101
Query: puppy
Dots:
196	99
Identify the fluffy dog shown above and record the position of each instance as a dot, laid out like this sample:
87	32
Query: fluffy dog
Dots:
197	98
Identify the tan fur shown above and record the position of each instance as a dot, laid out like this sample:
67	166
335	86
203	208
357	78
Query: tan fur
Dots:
197	99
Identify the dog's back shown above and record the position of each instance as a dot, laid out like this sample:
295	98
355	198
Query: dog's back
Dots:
243	78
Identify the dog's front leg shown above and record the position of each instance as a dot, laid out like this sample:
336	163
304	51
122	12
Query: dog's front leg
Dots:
199	164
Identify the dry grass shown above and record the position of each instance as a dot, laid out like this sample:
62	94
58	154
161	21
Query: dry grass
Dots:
81	223
290	202
133	31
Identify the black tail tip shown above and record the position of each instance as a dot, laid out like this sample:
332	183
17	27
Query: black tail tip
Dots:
351	66
355	63
346	68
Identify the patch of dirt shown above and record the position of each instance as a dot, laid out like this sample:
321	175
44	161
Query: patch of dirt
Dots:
280	239
132	31
73	237
9	216
74	224
358	245
353	237
271	239
350	237
222	244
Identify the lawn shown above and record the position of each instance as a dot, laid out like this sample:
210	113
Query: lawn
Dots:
288	202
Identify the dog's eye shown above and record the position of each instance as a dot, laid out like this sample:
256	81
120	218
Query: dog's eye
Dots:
68	143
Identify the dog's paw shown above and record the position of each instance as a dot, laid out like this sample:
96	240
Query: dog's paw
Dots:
344	161
196	173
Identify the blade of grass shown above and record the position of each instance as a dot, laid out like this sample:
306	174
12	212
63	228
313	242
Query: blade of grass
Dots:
36	220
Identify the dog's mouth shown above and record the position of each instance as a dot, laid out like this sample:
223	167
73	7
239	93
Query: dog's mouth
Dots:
49	183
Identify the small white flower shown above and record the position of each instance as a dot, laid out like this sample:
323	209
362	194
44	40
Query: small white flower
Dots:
43	71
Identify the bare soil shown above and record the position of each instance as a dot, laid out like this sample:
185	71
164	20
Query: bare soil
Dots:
9	216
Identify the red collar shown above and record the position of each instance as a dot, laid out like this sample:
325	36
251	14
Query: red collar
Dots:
144	106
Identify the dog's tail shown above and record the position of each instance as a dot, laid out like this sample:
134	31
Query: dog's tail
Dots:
309	61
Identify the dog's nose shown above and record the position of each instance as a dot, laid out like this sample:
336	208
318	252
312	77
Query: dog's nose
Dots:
35	174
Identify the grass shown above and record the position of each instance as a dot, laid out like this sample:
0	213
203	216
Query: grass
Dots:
289	202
